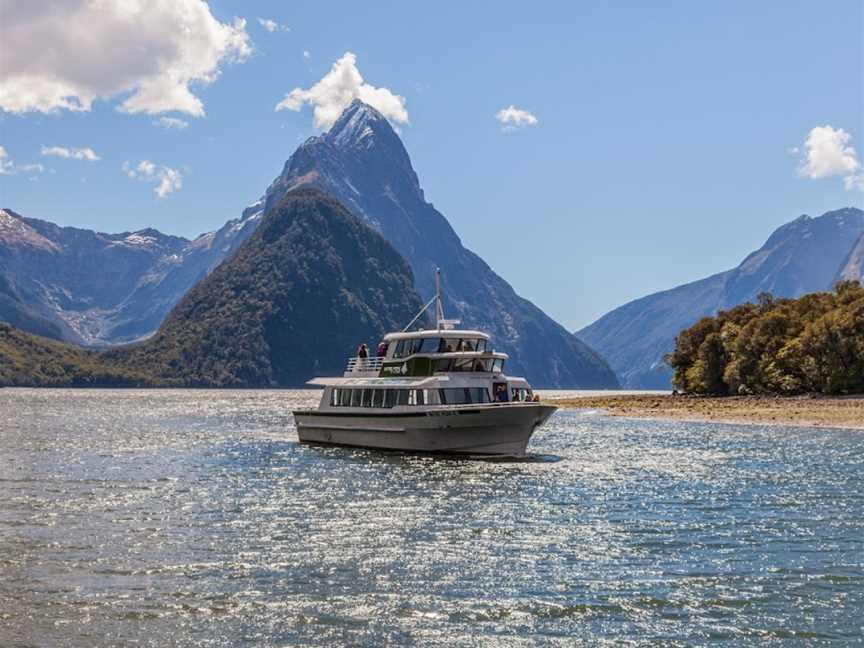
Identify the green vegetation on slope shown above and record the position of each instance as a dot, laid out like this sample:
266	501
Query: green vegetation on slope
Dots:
30	361
294	301
777	346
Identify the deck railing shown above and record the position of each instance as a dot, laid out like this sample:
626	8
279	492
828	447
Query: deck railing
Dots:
356	364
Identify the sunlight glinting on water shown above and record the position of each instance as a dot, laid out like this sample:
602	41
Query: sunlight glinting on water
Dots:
154	516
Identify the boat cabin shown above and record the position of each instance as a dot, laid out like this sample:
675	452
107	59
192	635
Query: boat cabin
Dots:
427	353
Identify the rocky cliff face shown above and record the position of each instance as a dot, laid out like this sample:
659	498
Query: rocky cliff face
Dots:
800	257
293	302
102	289
362	162
853	265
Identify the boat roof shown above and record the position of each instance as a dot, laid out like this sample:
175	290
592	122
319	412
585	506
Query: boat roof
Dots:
372	382
435	333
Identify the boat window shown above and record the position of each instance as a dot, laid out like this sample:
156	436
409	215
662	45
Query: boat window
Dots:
355	397
334	397
463	395
498	365
481	346
415	397
463	364
390	397
478	394
402	397
366	398
468	345
483	365
442	365
448	345
377	398
345	397
397	350
428	345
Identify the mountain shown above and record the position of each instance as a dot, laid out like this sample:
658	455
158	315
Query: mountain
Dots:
296	298
361	161
14	311
853	264
104	289
803	256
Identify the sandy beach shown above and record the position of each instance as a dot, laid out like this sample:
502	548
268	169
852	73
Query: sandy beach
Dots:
835	412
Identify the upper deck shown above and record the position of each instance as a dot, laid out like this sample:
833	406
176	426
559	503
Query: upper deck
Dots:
426	353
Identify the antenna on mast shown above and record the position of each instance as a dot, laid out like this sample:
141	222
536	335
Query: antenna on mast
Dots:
440	322
439	307
445	324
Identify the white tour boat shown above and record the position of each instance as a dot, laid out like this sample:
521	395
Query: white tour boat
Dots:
441	390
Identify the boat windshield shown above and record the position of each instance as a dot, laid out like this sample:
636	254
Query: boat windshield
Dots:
405	348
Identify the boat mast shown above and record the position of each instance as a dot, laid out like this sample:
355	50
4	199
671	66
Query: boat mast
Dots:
440	322
439	306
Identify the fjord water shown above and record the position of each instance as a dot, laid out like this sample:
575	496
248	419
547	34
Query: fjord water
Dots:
158	518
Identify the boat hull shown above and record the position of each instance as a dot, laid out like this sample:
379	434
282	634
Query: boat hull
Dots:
502	430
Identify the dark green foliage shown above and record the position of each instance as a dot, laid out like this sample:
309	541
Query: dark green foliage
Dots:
777	346
292	303
30	361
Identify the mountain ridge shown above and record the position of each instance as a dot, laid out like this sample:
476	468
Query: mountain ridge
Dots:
363	163
802	256
300	293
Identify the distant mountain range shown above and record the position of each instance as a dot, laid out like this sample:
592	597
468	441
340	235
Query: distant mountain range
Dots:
309	283
105	289
805	255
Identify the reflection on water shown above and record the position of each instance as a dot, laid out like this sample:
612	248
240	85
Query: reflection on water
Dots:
161	518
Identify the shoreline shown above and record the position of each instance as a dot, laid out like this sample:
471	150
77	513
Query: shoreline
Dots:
846	412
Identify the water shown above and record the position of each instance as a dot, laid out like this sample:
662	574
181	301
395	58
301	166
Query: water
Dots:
161	518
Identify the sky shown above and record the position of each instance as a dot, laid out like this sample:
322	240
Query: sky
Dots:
590	152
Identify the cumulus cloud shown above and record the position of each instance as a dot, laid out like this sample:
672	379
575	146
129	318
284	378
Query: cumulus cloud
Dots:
827	154
307	54
337	89
272	26
171	122
166	179
9	167
64	56
512	118
86	153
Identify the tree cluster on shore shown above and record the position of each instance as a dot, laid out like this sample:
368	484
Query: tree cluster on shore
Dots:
813	344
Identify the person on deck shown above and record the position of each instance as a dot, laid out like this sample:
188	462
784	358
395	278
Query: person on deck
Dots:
362	351
382	349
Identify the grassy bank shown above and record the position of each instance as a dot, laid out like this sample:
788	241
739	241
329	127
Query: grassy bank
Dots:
847	412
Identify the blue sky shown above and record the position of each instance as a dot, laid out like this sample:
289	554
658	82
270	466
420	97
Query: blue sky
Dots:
664	148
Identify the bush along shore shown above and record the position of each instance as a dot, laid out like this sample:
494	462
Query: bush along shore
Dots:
778	361
813	344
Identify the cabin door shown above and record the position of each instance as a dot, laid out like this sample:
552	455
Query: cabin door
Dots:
499	392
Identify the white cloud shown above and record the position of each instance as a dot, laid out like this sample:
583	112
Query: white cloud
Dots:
828	154
272	26
9	167
171	122
87	154
512	118
307	54
337	89
65	55
166	179
854	182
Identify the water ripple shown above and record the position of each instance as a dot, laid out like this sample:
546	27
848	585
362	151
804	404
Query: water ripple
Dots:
160	518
